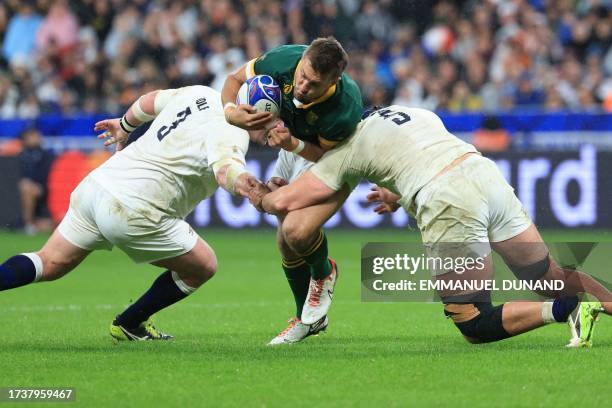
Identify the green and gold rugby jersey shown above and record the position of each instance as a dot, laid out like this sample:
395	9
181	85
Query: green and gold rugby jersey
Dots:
325	121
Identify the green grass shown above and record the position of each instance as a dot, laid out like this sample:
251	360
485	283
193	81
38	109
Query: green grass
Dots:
55	334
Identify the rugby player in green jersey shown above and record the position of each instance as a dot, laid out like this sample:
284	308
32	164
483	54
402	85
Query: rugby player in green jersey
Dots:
321	106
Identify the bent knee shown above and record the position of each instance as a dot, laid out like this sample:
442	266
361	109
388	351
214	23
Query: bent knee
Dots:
210	268
298	234
478	322
207	268
283	246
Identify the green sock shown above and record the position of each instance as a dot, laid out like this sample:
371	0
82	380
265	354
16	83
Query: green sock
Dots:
298	276
316	257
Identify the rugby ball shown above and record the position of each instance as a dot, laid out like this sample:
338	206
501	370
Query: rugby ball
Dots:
261	92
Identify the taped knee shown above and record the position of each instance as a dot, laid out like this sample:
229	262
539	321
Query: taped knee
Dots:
533	272
480	321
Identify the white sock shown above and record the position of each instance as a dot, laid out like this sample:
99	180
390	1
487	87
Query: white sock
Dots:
547	312
38	264
185	288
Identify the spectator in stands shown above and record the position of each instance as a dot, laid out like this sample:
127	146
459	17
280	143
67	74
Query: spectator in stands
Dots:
510	54
19	41
35	165
59	30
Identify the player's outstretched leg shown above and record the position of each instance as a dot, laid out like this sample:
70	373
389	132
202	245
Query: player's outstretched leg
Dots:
481	322
54	260
184	274
527	256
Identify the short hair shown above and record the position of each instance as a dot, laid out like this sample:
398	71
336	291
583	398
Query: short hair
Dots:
327	56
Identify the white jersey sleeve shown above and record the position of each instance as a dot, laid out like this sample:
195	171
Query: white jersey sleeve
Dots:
167	171
162	99
334	168
399	148
225	143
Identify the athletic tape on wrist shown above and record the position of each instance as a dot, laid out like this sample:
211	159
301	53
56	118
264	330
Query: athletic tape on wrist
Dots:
126	126
231	176
233	171
299	147
226	106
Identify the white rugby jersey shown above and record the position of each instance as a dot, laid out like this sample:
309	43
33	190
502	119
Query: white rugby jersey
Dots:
168	170
399	148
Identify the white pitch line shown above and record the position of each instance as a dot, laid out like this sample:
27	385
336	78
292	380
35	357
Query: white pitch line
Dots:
107	306
81	308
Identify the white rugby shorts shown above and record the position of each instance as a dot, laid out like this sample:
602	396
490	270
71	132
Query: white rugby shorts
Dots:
97	220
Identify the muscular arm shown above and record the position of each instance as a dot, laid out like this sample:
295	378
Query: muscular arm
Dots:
306	191
144	109
245	184
232	85
243	116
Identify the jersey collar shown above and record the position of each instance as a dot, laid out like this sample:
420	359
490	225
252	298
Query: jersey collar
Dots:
328	94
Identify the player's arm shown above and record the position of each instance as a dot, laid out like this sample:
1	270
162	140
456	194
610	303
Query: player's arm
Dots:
280	137
143	110
243	116
233	177
225	153
304	192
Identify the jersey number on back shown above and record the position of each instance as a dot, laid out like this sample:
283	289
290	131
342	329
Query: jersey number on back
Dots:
180	117
399	118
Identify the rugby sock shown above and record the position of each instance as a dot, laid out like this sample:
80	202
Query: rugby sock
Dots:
298	276
20	270
167	289
559	309
316	257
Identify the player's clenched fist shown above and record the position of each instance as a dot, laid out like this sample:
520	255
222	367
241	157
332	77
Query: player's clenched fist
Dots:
247	117
256	194
275	183
280	138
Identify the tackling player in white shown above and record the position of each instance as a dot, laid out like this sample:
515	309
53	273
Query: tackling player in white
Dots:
456	196
137	201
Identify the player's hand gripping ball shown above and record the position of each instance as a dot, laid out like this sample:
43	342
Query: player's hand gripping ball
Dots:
262	92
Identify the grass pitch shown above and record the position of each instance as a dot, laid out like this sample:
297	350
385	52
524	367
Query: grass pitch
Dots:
56	335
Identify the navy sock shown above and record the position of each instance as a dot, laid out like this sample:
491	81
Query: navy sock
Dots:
163	293
17	271
562	307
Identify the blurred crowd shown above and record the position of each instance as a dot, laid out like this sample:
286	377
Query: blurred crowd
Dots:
91	56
